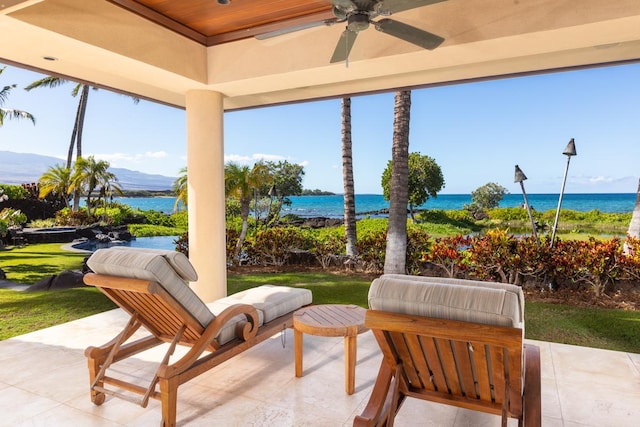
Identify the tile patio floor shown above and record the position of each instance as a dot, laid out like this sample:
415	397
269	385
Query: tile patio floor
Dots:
44	382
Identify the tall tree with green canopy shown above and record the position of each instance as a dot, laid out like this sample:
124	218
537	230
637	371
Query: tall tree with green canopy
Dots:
286	181
90	174
10	113
347	180
396	251
56	180
243	182
425	180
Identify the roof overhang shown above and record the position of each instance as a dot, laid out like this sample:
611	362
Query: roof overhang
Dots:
102	43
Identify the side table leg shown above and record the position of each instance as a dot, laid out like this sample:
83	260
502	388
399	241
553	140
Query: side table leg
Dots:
297	351
350	349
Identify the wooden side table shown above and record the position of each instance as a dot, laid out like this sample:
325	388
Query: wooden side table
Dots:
330	320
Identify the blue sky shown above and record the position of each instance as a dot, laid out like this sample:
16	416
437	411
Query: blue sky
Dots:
476	132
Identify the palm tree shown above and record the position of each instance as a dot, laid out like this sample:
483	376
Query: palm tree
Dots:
88	175
78	125
241	182
180	188
10	113
347	180
56	180
395	255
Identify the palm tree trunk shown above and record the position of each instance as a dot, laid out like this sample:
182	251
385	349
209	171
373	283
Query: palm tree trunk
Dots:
245	208
395	255
84	97
634	224
347	180
74	133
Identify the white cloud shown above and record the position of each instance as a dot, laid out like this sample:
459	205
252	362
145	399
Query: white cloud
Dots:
156	154
236	158
268	157
132	158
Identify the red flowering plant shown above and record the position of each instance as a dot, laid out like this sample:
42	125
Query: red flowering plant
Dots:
594	263
449	253
494	256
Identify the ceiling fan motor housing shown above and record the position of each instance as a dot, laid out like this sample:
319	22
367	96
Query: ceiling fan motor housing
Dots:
358	22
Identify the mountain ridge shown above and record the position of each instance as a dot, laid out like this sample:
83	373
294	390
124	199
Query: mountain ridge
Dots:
21	168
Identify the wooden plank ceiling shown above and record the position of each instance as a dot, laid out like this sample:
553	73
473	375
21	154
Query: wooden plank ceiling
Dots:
209	23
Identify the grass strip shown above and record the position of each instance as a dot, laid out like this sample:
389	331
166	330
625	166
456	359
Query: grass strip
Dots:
23	312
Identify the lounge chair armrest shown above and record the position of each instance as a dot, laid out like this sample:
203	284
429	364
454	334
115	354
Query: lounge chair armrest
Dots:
245	330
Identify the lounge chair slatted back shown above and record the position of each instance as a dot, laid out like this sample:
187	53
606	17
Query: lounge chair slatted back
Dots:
156	310
464	363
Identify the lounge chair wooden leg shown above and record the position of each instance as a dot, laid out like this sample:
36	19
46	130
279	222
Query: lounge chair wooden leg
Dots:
94	368
169	399
531	404
377	410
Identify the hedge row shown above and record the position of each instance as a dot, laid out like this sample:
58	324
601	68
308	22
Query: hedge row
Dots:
495	255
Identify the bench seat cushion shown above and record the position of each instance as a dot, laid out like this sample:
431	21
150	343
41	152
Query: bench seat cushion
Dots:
455	299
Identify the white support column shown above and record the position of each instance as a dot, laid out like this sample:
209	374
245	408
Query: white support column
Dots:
205	168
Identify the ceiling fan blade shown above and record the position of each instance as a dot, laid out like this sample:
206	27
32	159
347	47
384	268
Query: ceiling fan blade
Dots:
347	39
294	28
393	6
409	33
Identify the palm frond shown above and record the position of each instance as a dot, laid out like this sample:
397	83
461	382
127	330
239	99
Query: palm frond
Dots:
49	81
15	114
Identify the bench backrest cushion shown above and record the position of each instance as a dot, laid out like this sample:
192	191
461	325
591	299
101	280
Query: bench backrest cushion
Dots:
155	266
455	299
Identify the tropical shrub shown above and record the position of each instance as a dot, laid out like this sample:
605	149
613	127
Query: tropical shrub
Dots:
181	219
417	247
13	192
159	218
449	254
371	248
68	217
594	263
328	246
182	243
274	246
146	230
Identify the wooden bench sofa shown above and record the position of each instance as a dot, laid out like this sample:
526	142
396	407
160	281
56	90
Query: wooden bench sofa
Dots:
451	341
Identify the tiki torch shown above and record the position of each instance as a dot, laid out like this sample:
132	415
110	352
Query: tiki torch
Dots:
569	151
520	177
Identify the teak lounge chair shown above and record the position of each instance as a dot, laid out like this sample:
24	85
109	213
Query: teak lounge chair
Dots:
451	341
151	286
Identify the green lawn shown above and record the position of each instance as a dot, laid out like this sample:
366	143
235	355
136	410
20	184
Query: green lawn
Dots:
23	312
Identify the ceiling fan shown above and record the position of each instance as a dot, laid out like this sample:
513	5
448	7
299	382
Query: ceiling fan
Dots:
359	15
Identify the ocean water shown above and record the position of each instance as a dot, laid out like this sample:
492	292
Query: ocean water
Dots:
332	206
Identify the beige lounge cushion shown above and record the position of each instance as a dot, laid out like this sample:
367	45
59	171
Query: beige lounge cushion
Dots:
270	301
485	302
150	265
274	301
177	260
